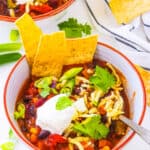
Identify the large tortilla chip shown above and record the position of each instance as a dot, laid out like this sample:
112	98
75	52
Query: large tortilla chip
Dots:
81	50
30	34
146	78
50	55
126	10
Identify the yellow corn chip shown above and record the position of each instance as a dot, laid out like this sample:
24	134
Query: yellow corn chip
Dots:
81	50
30	34
126	10
146	78
50	55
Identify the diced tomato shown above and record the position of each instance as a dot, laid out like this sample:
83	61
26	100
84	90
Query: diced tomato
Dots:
88	145
56	138
102	110
49	96
41	8
33	138
22	8
102	143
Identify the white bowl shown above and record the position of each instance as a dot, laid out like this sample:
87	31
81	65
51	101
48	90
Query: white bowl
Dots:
21	72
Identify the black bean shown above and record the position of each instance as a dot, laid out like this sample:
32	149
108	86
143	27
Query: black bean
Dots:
24	129
43	134
77	90
53	3
27	98
91	65
104	118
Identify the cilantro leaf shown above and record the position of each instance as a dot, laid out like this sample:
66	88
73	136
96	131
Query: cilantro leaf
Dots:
103	79
11	134
73	32
92	127
63	102
43	84
74	29
45	91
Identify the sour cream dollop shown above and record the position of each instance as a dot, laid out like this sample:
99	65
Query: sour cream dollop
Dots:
56	121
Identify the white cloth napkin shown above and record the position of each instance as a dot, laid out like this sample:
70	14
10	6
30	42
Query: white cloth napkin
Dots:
129	39
146	24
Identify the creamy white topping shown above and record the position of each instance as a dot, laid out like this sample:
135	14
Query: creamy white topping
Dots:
56	121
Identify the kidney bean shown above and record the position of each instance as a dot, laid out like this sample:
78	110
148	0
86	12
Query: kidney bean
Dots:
43	134
30	110
53	3
77	90
40	102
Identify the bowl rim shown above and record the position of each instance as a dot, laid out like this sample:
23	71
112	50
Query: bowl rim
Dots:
42	16
98	44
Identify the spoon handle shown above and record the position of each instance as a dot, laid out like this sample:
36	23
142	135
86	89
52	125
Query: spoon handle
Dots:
142	132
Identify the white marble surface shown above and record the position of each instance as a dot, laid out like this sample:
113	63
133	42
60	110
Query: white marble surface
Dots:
48	26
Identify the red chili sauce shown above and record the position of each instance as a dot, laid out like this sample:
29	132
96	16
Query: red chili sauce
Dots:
44	140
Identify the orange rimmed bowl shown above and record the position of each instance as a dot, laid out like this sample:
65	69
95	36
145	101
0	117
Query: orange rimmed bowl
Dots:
51	13
134	88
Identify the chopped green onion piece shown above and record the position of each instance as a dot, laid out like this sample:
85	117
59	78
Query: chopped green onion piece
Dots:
10	57
8	47
8	146
70	73
20	112
14	35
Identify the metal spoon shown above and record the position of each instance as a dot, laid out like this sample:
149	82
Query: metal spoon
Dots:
142	132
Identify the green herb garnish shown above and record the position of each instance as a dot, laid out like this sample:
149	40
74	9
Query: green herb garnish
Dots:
74	29
20	111
92	127
43	82
63	102
8	47
68	87
14	35
70	73
44	85
8	146
103	79
10	57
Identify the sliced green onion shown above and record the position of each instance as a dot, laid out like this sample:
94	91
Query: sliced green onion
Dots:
14	35
7	47
10	57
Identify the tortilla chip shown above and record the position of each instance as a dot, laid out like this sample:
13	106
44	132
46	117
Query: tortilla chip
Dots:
126	10
30	34
146	78
81	50
50	55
